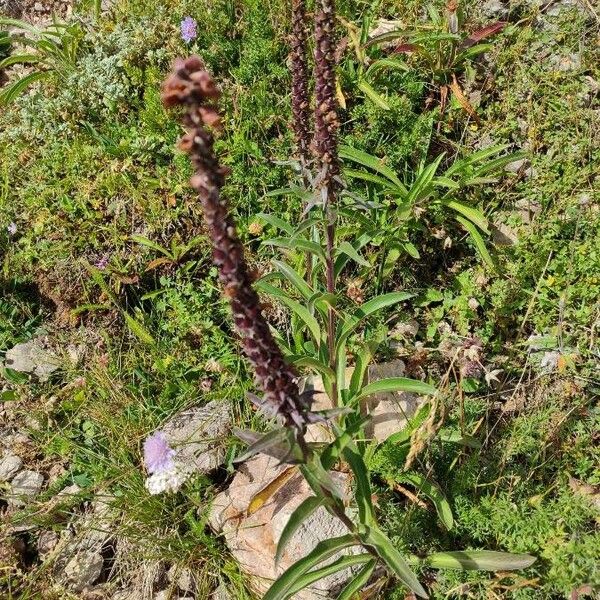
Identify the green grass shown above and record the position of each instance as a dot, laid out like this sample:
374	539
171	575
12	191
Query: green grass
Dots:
89	162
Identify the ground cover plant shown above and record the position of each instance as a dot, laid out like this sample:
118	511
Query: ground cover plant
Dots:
466	235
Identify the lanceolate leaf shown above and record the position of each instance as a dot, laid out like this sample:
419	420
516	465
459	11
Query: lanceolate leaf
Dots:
276	222
349	250
294	278
482	560
371	162
323	550
368	308
374	96
363	487
394	560
433	492
10	92
397	384
344	562
357	582
478	241
473	214
484	32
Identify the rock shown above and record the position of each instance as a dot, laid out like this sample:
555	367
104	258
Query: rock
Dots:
389	411
565	5
528	209
32	357
221	593
252	539
182	578
199	435
495	9
47	541
38	7
9	466
521	166
503	235
385	26
83	570
568	62
25	486
79	561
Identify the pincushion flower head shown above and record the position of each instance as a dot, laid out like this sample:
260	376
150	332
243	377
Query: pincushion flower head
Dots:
189	30
158	455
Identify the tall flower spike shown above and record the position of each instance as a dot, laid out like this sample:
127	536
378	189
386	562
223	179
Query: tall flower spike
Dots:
326	119
192	87
299	68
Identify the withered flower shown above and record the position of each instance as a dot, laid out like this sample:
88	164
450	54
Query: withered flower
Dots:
299	68
192	87
326	119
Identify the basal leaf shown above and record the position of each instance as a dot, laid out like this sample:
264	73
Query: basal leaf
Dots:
479	560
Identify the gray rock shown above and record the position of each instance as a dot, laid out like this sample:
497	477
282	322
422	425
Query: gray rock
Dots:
495	9
389	411
47	541
565	5
182	578
25	486
503	235
567	62
221	593
199	435
252	539
9	466
521	166
83	570
32	357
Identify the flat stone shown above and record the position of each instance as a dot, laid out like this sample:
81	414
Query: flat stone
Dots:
503	235
47	541
9	466
252	539
221	593
200	435
32	357
83	570
26	485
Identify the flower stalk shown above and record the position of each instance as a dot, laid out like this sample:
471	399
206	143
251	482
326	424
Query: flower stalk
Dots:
191	87
325	147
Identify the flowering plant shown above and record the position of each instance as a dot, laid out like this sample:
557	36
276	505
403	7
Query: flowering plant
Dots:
325	336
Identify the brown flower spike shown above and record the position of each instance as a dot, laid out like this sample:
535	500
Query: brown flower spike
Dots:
326	120
299	68
192	87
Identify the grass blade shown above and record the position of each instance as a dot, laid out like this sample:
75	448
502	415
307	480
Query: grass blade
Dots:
479	560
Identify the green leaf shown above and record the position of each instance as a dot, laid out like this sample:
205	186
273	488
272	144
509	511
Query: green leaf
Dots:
421	186
349	250
367	176
394	560
8	396
10	92
386	63
139	330
396	384
301	311
479	560
371	162
478	241
276	222
322	551
297	244
18	59
471	213
294	278
374	96
433	492
313	363
306	508
367	309
389	36
357	583
344	562
342	259
144	241
363	487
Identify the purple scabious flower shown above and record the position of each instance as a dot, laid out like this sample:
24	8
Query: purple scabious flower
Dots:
158	455
189	31
12	229
102	263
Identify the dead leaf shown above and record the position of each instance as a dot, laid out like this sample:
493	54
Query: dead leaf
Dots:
463	100
259	499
